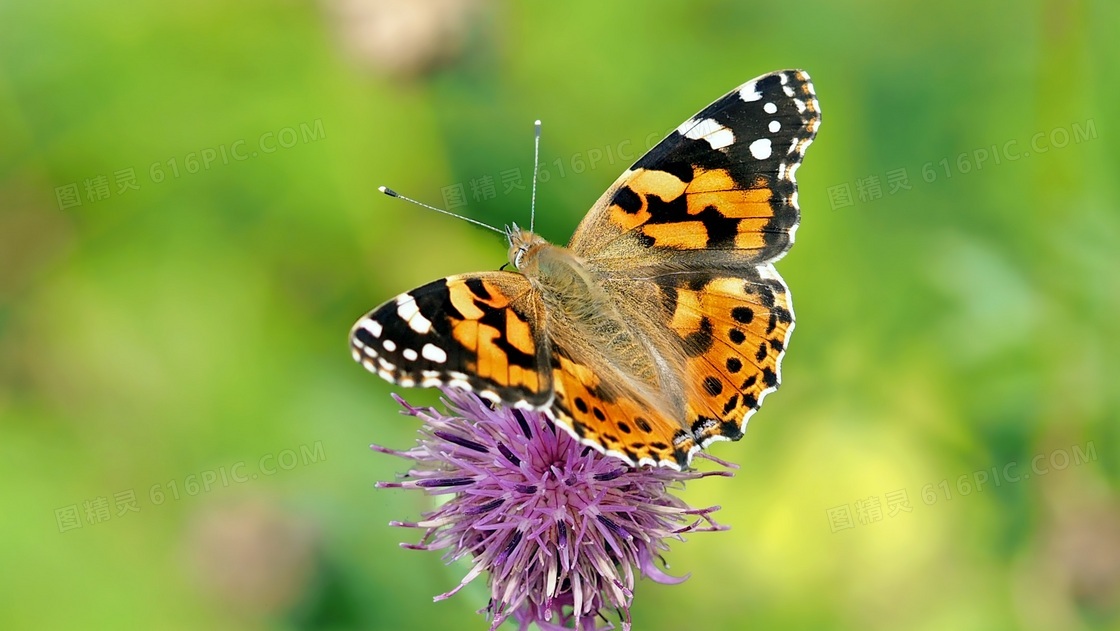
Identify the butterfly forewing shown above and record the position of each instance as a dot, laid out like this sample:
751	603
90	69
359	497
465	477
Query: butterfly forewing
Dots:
479	332
722	183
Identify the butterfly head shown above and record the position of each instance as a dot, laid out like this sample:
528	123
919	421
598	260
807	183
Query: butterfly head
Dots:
522	245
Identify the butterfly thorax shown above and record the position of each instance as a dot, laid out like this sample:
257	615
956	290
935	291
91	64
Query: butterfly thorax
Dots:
579	309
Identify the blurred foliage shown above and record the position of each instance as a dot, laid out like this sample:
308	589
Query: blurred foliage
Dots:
183	341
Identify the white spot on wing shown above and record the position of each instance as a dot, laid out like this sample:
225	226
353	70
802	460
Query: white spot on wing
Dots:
389	345
410	354
770	108
410	313
774	127
373	326
720	139
434	353
708	129
749	92
760	148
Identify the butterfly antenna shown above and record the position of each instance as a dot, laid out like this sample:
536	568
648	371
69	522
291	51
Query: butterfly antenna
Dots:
536	168
391	193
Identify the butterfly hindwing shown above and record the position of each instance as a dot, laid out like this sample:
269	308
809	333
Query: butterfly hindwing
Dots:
722	182
610	417
478	332
734	331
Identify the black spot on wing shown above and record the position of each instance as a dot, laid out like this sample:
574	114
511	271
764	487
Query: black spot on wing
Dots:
478	288
742	315
699	341
713	386
732	403
731	430
769	377
696	282
627	200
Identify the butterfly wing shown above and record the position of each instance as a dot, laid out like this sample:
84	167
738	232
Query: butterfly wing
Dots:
476	332
614	417
698	222
719	190
733	331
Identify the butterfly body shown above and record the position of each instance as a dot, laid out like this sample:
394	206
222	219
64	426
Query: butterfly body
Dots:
662	324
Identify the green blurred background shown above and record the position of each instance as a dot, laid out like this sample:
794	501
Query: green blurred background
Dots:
189	225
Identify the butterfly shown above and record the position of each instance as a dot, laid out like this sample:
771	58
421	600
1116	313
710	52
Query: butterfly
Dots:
662	325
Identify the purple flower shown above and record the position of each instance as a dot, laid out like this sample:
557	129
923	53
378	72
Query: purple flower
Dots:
560	530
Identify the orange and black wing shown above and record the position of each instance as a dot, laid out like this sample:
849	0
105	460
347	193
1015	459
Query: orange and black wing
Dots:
720	189
733	331
478	332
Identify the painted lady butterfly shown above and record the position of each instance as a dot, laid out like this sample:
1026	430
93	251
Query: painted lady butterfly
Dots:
662	325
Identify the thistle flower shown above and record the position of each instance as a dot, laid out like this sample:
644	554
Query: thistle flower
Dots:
560	530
